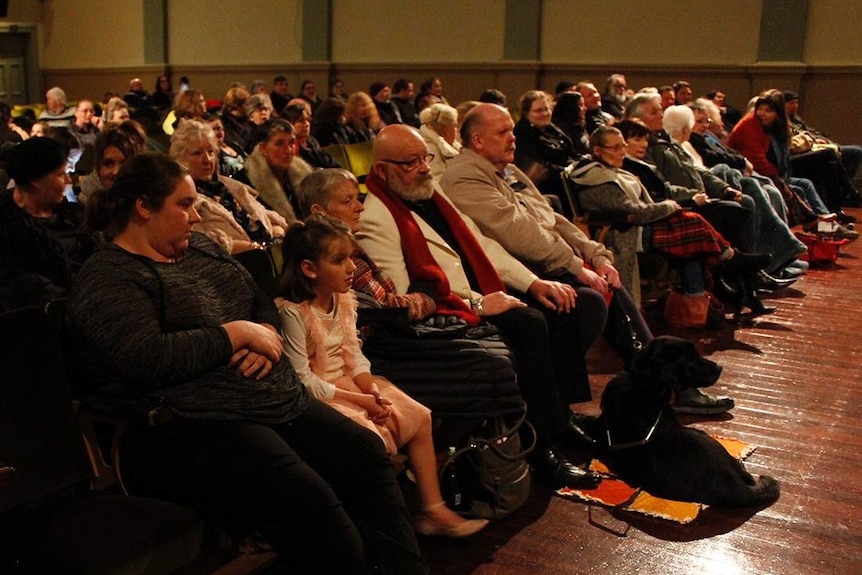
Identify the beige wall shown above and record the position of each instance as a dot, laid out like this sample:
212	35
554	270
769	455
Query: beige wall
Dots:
91	34
833	34
215	32
397	31
650	31
23	12
91	46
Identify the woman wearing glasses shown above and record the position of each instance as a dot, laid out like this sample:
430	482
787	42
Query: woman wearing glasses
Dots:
543	150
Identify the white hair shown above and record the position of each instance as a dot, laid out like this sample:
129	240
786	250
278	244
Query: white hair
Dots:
439	116
57	93
677	118
636	105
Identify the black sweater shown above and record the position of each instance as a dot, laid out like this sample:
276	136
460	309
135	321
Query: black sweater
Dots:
153	330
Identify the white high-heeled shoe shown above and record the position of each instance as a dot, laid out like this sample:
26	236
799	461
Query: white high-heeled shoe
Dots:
425	525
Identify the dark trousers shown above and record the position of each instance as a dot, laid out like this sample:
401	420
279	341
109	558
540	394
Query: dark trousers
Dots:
851	157
320	488
732	220
549	380
625	329
825	169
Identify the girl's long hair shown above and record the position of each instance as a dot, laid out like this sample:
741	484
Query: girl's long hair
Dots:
308	240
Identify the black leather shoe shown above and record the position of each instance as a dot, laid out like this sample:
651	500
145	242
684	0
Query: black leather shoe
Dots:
582	420
846	219
556	471
575	437
743	262
693	400
766	281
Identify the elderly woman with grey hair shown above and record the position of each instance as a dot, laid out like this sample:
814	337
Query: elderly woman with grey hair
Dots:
57	110
230	214
334	192
116	111
439	127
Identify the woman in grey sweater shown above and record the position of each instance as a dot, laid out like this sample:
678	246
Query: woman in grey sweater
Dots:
164	315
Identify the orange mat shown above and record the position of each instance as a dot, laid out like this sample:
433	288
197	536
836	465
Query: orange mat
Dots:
615	493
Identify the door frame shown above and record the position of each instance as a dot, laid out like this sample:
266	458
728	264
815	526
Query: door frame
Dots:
32	75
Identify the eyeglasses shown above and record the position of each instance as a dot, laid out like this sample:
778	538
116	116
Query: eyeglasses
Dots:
616	148
410	165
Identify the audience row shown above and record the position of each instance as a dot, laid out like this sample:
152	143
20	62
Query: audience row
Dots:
457	222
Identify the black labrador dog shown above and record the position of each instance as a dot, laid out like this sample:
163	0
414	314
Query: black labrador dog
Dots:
644	444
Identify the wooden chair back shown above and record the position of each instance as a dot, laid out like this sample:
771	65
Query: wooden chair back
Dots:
261	267
43	450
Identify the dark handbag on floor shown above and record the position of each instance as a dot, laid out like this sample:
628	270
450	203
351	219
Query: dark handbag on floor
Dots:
493	466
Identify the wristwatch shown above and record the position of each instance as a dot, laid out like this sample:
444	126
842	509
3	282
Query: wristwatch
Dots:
477	305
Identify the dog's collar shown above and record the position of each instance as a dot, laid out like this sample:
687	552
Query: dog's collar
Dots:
636	443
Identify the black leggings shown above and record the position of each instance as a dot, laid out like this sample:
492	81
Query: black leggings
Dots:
320	488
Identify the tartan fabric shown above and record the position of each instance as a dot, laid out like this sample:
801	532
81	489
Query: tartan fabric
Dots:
373	281
686	234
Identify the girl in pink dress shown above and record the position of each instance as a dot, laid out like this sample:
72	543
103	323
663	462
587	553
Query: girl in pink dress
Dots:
318	318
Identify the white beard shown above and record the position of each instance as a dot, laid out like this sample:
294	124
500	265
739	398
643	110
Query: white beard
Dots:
421	190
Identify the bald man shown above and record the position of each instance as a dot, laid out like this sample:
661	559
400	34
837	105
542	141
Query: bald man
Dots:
414	233
484	184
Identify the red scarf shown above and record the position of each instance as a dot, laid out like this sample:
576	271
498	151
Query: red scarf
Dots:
421	265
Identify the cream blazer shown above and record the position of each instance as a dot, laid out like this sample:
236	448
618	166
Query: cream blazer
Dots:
379	237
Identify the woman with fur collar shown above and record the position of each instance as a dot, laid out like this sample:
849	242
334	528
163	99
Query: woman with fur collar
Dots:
439	125
230	214
274	171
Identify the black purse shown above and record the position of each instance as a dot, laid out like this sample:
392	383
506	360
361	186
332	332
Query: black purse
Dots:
494	468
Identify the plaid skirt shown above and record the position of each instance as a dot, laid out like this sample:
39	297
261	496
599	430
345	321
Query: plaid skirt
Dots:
685	234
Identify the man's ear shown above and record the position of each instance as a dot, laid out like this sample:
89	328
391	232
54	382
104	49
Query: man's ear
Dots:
308	269
316	209
378	169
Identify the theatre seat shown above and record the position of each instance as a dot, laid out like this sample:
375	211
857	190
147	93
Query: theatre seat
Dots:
50	519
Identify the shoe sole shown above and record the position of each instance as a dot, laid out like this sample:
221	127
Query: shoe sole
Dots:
693	410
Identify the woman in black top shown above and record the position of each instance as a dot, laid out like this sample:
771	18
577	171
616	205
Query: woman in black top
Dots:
306	146
164	315
569	116
41	242
543	151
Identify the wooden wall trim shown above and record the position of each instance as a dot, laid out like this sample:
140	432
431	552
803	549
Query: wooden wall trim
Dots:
463	81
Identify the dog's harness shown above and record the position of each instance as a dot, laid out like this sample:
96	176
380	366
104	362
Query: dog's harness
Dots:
637	442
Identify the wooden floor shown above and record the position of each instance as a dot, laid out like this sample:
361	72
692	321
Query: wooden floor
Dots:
796	376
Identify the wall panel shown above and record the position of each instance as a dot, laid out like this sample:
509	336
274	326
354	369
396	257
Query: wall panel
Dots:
650	32
92	33
445	31
833	34
255	32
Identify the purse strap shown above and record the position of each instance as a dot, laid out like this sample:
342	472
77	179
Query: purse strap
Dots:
479	443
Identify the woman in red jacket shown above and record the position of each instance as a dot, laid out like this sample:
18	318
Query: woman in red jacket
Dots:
763	137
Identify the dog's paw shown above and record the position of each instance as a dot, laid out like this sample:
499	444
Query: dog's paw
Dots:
767	488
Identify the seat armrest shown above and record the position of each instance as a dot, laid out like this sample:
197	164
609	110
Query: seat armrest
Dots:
7	473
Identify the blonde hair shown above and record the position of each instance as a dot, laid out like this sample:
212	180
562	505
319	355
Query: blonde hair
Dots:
351	108
439	116
188	134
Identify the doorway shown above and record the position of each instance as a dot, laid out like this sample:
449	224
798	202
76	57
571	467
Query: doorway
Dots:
18	65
